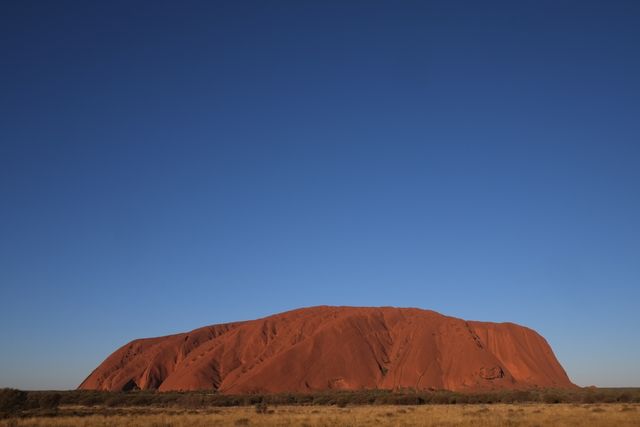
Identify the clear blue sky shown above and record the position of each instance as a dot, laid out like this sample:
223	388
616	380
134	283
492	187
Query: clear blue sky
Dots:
169	165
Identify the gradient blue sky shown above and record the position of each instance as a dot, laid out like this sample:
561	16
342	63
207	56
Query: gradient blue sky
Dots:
168	165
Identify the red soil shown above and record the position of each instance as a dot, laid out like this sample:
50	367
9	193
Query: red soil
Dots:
346	348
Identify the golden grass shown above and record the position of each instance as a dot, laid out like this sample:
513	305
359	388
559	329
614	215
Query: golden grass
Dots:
616	414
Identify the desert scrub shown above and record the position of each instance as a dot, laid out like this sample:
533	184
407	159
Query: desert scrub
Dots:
488	415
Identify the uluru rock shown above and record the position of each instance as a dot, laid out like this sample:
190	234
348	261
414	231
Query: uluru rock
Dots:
346	348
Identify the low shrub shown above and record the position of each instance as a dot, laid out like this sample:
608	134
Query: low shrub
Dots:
16	401
12	401
552	397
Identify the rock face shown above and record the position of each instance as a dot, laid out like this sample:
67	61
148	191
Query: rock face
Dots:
346	348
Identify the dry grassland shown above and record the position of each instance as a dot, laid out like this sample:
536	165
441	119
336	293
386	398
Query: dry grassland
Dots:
534	414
